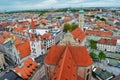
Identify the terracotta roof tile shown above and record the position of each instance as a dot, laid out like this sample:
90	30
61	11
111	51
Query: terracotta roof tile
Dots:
78	34
99	33
24	49
46	35
66	68
32	25
19	29
79	54
107	41
68	18
26	68
2	39
4	24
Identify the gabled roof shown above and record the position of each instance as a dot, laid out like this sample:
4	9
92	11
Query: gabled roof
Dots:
78	34
24	49
66	68
26	69
79	53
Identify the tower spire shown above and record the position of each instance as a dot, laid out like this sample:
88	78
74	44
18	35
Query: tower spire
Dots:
81	19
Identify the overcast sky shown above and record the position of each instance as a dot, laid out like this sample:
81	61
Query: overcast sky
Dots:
43	4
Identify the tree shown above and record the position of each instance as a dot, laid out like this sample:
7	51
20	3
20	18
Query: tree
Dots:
101	55
93	44
103	19
73	26
69	27
97	17
92	16
93	56
59	17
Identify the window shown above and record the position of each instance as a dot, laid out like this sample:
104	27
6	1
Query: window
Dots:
88	74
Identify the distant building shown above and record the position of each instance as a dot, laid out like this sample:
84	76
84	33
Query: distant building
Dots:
97	35
112	45
69	63
107	45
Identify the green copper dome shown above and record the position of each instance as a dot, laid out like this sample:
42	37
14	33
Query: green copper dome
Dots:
81	12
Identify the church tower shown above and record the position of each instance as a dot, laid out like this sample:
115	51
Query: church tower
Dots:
35	42
81	19
68	12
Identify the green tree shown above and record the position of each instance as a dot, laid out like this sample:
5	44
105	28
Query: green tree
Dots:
97	17
67	27
59	17
101	55
92	16
93	44
93	56
73	26
103	19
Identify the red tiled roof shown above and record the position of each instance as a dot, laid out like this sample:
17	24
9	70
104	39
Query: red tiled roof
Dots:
78	34
79	54
2	39
112	19
107	41
42	21
99	33
19	29
19	40
66	68
23	22
46	35
32	25
4	24
68	18
116	38
5	34
27	68
24	49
